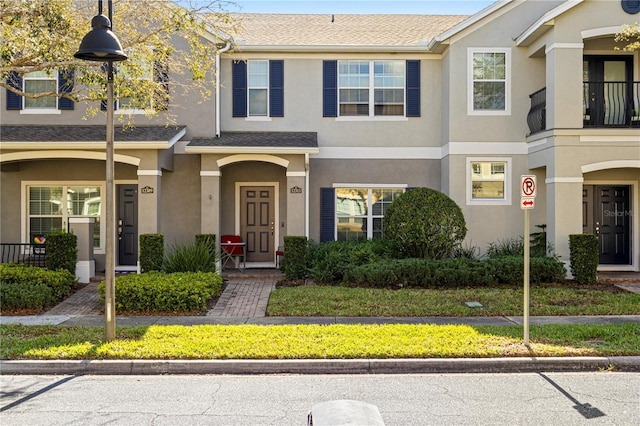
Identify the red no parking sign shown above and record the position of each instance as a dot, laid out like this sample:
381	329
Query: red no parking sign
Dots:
527	186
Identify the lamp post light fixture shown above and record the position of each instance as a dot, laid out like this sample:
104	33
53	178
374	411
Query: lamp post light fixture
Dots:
102	45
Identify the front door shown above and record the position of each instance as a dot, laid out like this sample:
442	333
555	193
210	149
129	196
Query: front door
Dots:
127	224
257	222
607	214
608	91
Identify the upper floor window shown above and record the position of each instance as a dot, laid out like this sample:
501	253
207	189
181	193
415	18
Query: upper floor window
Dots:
258	88
41	82
489	81
144	98
371	88
44	91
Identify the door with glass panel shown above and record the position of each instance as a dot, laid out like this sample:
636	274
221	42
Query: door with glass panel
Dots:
608	90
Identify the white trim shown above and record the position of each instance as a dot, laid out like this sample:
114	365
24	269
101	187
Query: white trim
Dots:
506	201
256	117
546	19
85	155
549	181
82	220
238	158
43	145
276	214
615	164
607	139
563	46
372	117
40	111
597	32
507	81
210	173
149	172
296	174
480	148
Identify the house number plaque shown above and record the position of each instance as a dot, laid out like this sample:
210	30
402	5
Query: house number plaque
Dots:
147	190
296	190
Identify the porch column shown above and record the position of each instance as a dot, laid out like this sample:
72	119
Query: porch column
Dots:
296	208
564	94
564	213
210	204
149	196
83	227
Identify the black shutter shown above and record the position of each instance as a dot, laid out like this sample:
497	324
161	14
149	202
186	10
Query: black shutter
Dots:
65	85
14	101
413	88
276	88
327	214
161	75
330	89
239	88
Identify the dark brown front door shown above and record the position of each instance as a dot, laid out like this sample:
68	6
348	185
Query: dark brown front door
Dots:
607	214
257	222
127	224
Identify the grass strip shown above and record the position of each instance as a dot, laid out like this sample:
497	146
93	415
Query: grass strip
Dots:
316	341
503	301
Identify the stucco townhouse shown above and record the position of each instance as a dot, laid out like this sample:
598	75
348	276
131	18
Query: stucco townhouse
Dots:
321	121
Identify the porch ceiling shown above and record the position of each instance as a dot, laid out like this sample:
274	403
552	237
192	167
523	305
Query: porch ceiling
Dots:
257	142
88	137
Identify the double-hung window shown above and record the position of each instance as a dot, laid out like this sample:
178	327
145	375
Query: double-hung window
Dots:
50	207
489	82
488	180
141	85
371	88
50	86
41	82
359	211
258	88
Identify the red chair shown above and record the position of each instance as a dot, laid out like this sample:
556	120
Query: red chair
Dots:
233	249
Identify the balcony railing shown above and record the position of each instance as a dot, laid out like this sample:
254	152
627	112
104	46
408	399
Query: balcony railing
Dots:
611	104
537	117
604	104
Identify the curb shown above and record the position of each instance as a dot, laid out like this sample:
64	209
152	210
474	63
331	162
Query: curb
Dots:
320	366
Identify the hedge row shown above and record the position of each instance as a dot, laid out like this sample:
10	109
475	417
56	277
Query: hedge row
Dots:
183	292
422	273
33	288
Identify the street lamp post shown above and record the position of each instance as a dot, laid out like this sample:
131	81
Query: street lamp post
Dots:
102	45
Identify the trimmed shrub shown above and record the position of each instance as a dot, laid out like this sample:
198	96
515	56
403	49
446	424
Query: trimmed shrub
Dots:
459	272
61	251
296	257
584	257
425	223
208	240
151	252
157	292
196	257
16	278
332	259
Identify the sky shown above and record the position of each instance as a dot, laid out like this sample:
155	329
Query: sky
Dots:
430	7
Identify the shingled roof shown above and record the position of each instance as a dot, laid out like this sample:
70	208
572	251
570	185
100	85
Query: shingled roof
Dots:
85	133
257	141
257	29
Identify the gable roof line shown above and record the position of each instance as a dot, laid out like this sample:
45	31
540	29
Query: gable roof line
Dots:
331	48
531	34
438	40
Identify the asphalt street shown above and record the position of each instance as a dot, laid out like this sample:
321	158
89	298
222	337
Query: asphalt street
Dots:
594	398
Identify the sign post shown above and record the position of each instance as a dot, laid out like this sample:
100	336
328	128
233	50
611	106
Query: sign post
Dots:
527	202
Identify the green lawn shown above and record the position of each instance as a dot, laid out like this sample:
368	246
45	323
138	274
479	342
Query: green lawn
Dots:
316	341
548	299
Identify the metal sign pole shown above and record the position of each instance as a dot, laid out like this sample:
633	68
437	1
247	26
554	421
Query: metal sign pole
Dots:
526	277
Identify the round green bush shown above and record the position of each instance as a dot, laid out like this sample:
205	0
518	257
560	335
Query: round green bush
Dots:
425	223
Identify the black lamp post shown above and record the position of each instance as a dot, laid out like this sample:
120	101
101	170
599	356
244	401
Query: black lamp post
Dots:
102	45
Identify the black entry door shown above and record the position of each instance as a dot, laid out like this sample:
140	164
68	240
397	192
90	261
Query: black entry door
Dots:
607	214
127	224
608	90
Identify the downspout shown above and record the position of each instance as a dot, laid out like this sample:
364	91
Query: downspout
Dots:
306	197
223	50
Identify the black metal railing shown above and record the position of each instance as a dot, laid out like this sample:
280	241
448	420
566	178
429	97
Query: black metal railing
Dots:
537	117
611	104
30	254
